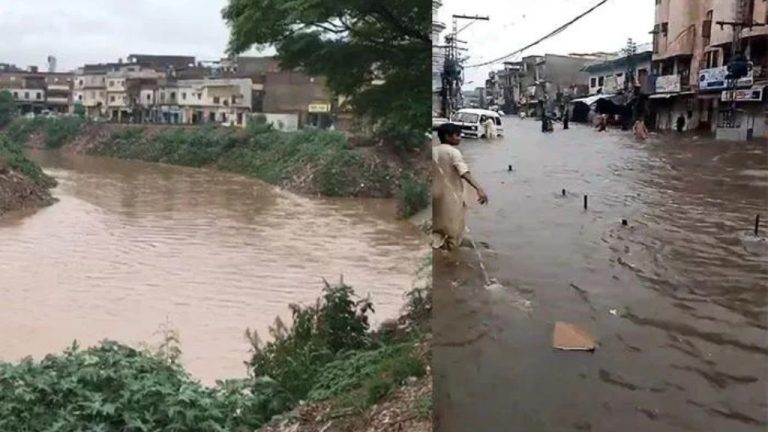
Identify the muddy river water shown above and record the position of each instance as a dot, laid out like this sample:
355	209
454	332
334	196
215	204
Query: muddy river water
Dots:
132	248
677	299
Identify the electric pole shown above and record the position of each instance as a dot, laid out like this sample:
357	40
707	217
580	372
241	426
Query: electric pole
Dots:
453	76
738	65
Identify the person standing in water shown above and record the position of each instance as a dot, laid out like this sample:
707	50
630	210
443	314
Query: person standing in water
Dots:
640	131
565	117
680	124
450	173
490	128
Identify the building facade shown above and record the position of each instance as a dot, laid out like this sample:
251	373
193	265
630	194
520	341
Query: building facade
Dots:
35	91
690	57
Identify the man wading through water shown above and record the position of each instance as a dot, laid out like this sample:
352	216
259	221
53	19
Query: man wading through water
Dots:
450	172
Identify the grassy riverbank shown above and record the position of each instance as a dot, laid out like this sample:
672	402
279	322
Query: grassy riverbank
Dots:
311	162
328	361
22	183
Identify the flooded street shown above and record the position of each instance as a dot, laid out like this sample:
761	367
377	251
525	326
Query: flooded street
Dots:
677	299
133	247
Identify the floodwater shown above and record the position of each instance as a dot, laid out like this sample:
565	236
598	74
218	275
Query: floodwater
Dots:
133	248
677	299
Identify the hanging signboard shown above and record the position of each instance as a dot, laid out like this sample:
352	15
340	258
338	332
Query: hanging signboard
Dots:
715	79
319	108
744	95
668	84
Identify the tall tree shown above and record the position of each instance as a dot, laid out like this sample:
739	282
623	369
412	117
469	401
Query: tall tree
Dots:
7	107
376	53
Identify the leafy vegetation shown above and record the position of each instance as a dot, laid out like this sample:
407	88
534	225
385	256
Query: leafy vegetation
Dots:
375	53
413	196
7	108
327	353
12	156
57	131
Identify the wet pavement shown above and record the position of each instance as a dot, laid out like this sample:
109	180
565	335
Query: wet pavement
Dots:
132	248
677	298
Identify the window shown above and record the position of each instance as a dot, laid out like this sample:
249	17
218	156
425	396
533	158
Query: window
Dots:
173	95
162	97
664	28
149	97
80	97
101	94
593	82
111	83
80	83
619	75
216	100
112	98
38	96
183	96
234	99
15	95
600	81
26	95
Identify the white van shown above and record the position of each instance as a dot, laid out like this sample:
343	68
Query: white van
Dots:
472	121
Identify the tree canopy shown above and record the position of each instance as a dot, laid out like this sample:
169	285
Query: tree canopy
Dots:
375	53
7	107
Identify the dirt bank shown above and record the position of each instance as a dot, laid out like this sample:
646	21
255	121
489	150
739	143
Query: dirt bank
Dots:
309	162
18	191
23	185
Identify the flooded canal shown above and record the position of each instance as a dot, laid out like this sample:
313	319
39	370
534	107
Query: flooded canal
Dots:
133	247
678	298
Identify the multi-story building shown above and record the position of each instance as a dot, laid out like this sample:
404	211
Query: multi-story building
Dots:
690	57
611	76
36	91
550	81
90	89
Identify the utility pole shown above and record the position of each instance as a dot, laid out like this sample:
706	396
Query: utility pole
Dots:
738	66
453	76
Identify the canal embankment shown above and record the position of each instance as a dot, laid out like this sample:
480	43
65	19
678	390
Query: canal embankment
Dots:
308	162
23	185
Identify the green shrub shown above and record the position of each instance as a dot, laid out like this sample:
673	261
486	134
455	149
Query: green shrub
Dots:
364	378
12	155
7	107
413	196
113	387
60	130
296	354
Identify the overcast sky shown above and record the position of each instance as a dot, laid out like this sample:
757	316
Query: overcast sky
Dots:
93	31
516	23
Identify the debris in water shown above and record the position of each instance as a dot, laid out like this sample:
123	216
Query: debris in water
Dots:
613	312
572	337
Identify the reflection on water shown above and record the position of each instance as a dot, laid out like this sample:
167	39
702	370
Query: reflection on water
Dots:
678	298
131	246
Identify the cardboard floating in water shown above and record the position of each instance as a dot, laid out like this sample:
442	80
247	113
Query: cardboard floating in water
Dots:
571	337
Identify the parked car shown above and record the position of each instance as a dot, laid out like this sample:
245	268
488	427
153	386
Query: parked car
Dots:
471	122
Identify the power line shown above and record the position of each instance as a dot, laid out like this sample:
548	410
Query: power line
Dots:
551	34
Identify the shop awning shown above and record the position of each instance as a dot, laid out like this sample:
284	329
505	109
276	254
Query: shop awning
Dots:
592	99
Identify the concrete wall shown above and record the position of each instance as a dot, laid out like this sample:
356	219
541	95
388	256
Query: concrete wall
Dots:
289	91
563	72
286	122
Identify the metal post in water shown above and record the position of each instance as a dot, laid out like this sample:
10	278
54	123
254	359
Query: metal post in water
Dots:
624	222
509	168
757	224
563	192
585	202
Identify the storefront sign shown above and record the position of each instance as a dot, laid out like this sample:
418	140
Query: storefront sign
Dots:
746	95
668	84
319	108
714	79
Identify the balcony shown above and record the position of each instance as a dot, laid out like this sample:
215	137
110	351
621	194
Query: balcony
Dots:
58	87
680	45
